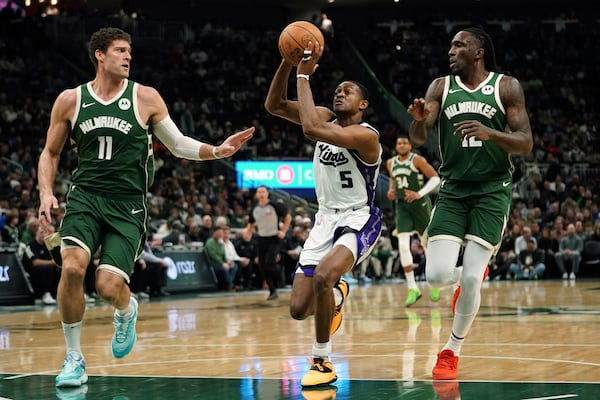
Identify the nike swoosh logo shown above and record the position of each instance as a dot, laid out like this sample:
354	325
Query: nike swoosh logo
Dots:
505	184
454	90
86	105
136	211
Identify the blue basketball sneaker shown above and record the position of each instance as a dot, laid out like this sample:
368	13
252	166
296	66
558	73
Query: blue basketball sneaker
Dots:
73	371
124	338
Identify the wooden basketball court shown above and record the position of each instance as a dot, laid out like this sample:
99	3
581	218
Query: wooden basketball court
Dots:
531	340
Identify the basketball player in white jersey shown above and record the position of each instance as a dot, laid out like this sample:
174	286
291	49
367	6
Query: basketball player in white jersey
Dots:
347	225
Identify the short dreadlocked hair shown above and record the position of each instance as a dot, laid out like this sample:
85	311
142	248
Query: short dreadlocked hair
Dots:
485	41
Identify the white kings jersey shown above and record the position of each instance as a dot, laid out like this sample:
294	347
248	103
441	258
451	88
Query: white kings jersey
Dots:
342	179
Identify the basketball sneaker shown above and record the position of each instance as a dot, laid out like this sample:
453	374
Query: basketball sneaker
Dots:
320	373
446	390
124	338
336	321
73	371
321	393
457	291
446	367
434	294
413	296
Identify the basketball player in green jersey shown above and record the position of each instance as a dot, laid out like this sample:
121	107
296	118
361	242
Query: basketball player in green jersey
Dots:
481	119
106	122
412	206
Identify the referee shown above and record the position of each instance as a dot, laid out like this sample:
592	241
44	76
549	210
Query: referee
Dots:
270	221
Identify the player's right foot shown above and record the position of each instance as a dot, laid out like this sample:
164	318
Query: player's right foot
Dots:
73	371
336	321
413	296
446	367
320	373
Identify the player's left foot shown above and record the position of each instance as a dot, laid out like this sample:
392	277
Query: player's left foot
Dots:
125	336
413	296
336	321
446	367
320	373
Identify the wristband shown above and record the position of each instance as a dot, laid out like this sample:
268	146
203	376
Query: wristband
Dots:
214	153
305	76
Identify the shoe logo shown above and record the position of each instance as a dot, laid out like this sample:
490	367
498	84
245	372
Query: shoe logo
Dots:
505	184
86	105
133	211
454	90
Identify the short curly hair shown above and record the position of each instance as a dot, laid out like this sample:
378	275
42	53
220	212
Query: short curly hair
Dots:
101	40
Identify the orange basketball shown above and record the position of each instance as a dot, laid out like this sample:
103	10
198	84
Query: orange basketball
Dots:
295	37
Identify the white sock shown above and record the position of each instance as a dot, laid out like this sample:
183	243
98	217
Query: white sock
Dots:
410	279
321	350
126	311
454	344
72	334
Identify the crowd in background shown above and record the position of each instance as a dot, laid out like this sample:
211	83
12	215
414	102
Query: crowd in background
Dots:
215	81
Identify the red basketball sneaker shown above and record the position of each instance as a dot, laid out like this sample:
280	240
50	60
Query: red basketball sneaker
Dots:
446	367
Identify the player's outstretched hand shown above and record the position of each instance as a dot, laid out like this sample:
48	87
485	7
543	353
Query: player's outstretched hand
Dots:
233	143
418	110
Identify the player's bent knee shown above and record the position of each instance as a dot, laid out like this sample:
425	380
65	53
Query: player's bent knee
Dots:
71	272
469	283
300	310
439	277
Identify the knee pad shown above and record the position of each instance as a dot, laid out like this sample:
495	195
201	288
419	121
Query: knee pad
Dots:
441	256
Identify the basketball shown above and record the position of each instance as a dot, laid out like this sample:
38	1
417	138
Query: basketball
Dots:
295	37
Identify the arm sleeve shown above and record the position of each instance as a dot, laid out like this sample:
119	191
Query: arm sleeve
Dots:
431	184
180	145
149	257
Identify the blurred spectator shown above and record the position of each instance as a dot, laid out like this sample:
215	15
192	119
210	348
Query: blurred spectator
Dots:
232	256
530	262
290	250
43	272
549	244
10	231
249	277
149	276
176	233
521	241
224	269
205	231
31	229
570	249
326	26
